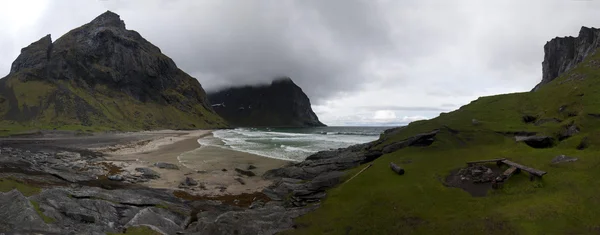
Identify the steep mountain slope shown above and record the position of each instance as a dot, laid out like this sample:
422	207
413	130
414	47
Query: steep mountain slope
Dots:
101	76
564	111
280	104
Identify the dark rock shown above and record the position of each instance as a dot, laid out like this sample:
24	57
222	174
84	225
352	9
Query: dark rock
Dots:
568	131
270	219
223	169
536	141
188	182
251	167
563	159
256	204
166	165
115	177
424	139
241	181
528	118
583	144
547	120
162	220
281	104
245	172
148	173
563	54
476	174
18	214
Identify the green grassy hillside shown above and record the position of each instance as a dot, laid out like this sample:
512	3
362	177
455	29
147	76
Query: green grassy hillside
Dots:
565	201
62	105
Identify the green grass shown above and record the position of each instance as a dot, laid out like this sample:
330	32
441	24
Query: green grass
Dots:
565	201
114	110
7	185
40	212
137	230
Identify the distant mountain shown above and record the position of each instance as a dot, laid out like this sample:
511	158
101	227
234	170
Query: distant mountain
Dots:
280	104
101	76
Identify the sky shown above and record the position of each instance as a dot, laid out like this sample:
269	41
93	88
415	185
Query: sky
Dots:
361	62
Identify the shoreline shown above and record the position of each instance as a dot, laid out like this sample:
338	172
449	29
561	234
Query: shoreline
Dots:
201	170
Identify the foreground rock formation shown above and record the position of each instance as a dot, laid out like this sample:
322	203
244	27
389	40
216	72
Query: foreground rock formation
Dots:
280	104
101	76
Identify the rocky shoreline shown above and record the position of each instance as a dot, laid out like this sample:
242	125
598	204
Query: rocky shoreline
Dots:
72	192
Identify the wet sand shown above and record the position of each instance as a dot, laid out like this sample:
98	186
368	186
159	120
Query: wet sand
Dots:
212	167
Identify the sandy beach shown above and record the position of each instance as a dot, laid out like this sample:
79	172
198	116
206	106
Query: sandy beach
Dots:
213	168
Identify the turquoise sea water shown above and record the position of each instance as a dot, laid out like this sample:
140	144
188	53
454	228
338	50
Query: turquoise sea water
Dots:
291	143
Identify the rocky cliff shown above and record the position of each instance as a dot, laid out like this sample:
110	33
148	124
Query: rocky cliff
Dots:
280	104
563	53
101	76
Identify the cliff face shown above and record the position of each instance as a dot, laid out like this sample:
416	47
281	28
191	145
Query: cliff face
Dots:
562	54
280	104
102	74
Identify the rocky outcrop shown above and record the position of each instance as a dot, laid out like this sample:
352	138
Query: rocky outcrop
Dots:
102	74
305	182
563	54
280	104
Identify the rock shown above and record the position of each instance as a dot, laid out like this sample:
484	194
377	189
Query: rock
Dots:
241	181
536	141
528	118
163	220
165	165
115	177
223	169
583	144
188	182
148	173
568	131
269	219
251	167
17	214
245	172
563	159
563	54
476	174
547	120
256	204
259	105
424	139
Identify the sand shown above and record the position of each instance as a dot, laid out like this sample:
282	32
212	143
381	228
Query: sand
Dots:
212	167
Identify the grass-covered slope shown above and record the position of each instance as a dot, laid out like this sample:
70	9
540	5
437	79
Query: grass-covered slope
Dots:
565	201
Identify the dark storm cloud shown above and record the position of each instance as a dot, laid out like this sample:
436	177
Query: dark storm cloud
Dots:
354	58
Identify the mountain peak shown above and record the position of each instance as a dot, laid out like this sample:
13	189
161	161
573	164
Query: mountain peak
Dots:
109	19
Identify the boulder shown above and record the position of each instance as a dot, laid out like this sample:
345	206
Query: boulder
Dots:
245	172
165	165
188	182
562	159
115	177
395	168
536	141
148	173
17	214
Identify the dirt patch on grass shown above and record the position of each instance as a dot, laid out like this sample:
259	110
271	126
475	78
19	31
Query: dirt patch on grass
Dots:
455	180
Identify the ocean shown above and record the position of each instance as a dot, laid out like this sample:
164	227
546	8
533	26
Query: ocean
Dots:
293	144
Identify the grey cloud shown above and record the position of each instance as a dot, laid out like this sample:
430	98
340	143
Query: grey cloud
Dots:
401	108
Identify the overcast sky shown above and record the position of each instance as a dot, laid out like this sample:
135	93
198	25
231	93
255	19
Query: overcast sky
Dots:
370	62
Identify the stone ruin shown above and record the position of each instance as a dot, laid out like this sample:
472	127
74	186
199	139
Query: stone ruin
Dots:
477	174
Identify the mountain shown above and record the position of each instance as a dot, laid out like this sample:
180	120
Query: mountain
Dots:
280	104
101	76
555	129
561	54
